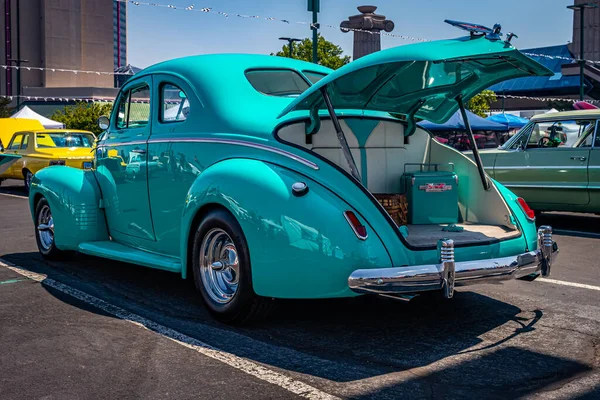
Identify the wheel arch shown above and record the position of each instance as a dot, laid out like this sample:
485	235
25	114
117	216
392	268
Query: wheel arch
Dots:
300	246
74	198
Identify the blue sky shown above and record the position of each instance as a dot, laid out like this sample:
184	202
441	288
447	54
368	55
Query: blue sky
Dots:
157	34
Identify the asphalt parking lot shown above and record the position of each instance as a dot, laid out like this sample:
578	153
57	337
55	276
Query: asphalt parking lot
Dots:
93	328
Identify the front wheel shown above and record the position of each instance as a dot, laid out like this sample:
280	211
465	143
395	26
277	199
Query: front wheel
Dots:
222	274
44	232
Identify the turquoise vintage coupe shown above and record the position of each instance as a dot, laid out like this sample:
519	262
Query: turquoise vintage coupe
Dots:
268	177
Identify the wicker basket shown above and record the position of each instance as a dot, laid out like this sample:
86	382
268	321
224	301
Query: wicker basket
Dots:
396	205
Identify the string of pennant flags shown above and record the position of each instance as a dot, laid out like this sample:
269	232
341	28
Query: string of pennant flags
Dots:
542	99
207	10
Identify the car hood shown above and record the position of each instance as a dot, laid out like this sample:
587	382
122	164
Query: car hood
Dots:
423	79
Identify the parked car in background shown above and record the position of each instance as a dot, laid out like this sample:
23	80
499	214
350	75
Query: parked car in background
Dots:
553	162
267	185
43	148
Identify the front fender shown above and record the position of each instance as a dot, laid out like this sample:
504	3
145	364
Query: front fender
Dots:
300	247
74	198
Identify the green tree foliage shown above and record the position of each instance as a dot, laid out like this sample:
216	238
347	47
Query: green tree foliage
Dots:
83	116
481	103
5	110
330	55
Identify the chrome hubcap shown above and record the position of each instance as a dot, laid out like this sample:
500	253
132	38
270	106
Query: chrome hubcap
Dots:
45	228
219	266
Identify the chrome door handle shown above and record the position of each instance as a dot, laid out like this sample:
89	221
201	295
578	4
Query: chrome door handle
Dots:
579	158
139	151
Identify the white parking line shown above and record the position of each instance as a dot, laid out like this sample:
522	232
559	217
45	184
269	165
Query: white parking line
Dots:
251	368
565	283
14	195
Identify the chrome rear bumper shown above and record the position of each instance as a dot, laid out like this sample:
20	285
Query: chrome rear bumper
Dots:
448	273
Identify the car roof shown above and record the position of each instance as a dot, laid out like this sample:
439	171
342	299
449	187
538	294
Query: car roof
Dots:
221	85
567	114
61	131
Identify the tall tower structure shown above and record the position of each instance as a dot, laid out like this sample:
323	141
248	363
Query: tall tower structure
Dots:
362	25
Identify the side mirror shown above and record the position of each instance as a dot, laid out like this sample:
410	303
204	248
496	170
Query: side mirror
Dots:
103	122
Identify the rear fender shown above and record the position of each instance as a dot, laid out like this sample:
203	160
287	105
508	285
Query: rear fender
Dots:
300	247
74	198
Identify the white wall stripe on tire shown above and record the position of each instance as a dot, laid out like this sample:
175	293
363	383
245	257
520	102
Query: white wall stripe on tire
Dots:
572	284
249	367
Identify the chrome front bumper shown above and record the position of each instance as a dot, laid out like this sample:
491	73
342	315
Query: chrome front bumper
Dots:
448	273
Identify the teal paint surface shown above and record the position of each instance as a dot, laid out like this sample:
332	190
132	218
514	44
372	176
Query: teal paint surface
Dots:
398	78
300	247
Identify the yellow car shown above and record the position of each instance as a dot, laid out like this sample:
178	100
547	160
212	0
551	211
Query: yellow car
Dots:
42	148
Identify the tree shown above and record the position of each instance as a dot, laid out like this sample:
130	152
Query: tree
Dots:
481	103
83	116
330	55
5	110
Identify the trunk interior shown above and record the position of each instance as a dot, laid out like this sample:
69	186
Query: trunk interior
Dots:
447	202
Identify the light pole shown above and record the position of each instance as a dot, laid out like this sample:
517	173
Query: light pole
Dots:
291	43
581	8
18	62
314	6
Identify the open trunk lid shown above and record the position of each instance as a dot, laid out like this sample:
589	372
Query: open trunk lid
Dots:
421	79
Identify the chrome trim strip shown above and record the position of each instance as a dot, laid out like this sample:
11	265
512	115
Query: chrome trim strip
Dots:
241	143
420	278
542	167
531	186
113	144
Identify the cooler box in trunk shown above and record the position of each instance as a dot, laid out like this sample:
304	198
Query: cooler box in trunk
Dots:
432	194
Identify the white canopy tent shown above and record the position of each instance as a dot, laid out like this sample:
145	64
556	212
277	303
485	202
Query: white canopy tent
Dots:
28	113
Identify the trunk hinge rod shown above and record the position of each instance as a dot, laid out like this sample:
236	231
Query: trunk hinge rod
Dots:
340	135
476	156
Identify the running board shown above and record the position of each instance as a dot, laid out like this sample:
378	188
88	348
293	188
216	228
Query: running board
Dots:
119	252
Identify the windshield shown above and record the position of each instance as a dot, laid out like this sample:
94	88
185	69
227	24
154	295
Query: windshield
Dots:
64	139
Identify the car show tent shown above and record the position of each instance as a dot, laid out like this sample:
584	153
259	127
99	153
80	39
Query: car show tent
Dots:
28	113
456	123
508	120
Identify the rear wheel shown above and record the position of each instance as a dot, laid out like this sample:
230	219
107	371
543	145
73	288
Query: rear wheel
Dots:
27	176
222	274
44	232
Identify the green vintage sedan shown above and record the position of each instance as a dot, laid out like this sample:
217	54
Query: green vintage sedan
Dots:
553	162
277	178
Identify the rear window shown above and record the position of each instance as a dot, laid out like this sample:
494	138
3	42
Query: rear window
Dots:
277	82
314	77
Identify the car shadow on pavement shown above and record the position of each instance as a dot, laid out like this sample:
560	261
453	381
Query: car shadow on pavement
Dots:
425	347
571	224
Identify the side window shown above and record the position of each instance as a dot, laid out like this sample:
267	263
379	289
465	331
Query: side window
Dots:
175	105
25	141
134	108
562	133
15	143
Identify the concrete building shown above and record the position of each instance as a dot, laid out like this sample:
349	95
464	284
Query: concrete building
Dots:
591	31
70	34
